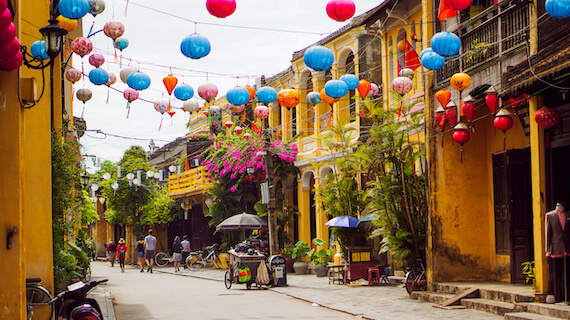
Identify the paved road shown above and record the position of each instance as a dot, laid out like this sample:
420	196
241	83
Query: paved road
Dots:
145	296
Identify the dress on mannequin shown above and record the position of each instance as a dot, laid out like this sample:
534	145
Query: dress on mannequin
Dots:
558	252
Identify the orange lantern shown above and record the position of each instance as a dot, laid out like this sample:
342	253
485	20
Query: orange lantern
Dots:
402	46
170	82
443	97
460	81
251	92
66	23
328	99
288	98
363	89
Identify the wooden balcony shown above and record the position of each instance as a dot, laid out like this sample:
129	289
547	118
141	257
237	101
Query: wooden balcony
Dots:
192	182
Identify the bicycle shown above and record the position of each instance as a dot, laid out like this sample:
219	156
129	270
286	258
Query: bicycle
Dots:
38	300
416	279
196	261
161	259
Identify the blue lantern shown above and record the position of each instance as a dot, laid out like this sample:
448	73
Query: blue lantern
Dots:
336	88
183	92
238	96
195	46
432	61
98	76
424	51
73	9
558	8
121	43
445	43
350	80
319	58
138	80
266	95
313	98
39	50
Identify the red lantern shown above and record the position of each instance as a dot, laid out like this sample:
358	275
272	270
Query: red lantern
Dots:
503	122
451	113
340	10
238	130
221	8
468	108
492	100
440	118
518	101
547	117
461	135
457	5
229	124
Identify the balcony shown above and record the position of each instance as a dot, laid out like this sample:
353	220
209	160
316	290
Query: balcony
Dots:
192	182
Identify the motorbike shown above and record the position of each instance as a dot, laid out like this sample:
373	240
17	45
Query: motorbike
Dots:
73	304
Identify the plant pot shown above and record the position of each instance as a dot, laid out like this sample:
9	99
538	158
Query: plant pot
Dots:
321	271
289	265
300	267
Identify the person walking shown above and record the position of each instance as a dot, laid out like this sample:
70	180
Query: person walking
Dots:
140	252
122	253
149	248
177	255
112	252
185	250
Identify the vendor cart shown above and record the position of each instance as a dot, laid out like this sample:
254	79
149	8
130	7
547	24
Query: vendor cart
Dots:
237	261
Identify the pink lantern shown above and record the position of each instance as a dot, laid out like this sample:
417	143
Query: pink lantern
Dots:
81	46
246	135
261	111
238	130
373	90
236	109
73	75
208	91
112	79
96	60
402	85
114	29
229	124
191	105
161	106
131	95
221	8
340	10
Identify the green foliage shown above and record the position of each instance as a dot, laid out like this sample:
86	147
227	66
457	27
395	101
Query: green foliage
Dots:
286	252
300	250
529	271
159	210
88	211
322	256
86	244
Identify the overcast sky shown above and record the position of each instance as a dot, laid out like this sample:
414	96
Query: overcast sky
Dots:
155	30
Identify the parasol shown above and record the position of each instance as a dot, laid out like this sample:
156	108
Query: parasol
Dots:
342	222
242	221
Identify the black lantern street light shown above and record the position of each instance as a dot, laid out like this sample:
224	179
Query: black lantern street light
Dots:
85	178
53	35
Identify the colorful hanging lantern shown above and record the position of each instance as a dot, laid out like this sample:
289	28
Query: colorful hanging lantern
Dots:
183	92
373	90
66	23
73	9
251	92
443	96
221	8
195	46
246	135
451	113
402	45
461	135
126	72
215	118
432	61
503	122
38	50
460	81
519	101
237	96
491	99
190	105
457	5
547	117
326	98
206	112
261	111
238	130
229	124
170	111
236	109
402	85
84	94
81	46
138	80
407	72
313	98
113	29
363	88
445	43
208	91
98	76
336	88
559	9
161	105
96	7
340	10
318	58
350	80
266	95
130	95
440	118
73	75
288	98
112	79
121	43
424	51
96	60
170	82
468	108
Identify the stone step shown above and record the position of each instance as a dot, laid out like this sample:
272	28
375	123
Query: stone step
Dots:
557	310
510	297
528	316
450	288
496	307
433	297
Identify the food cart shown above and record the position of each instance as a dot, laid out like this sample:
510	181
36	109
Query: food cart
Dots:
237	261
359	260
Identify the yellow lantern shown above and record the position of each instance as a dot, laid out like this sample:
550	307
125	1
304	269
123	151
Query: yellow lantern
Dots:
460	81
402	45
66	23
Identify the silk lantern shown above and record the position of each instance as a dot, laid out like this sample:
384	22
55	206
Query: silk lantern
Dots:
238	130
170	82
288	98
266	95
66	23
402	85
237	96
451	113
261	111
98	76
229	124
558	8
251	92
195	46
126	72
162	107
215	118
130	95
336	88
340	10
96	60
440	118
547	118
83	95
373	90
138	80
318	58
457	5
461	135
112	79
38	50
491	99
468	108
445	43
221	8
443	96
236	109
8	34
246	135
363	88
81	46
121	43
350	80
208	91
183	92
12	63
73	75
11	49
503	122
113	29
313	98
424	51
460	81
190	105
73	9
432	61
407	72
326	98
5	18
96	7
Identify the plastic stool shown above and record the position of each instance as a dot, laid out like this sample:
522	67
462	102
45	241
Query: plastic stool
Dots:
384	276
373	276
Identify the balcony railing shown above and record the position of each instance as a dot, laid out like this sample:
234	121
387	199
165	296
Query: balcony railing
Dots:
491	35
188	183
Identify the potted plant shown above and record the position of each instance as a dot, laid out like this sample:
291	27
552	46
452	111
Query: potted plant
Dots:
287	253
300	251
320	259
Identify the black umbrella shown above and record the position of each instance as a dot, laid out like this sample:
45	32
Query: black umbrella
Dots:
242	221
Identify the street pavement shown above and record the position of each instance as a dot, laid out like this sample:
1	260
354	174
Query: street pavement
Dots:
312	292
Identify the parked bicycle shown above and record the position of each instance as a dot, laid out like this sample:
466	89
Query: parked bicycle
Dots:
161	259
196	260
38	300
416	279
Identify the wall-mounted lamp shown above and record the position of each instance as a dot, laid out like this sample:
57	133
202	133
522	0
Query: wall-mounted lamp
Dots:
85	178
53	37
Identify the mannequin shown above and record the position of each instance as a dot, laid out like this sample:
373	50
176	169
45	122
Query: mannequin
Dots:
558	252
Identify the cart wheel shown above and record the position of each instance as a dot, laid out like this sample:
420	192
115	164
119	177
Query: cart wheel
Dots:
228	280
248	285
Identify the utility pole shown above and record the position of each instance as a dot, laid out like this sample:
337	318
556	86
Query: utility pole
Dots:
268	189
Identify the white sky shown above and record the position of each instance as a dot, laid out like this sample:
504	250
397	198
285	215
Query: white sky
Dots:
154	41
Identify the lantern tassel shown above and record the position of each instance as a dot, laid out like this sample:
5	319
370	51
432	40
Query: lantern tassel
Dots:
243	116
128	108
504	142
116	58
461	113
83	111
330	120
442	122
442	138
461	158
516	120
160	126
369	109
547	142
400	109
108	91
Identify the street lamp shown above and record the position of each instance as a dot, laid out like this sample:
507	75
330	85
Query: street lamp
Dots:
53	37
85	178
